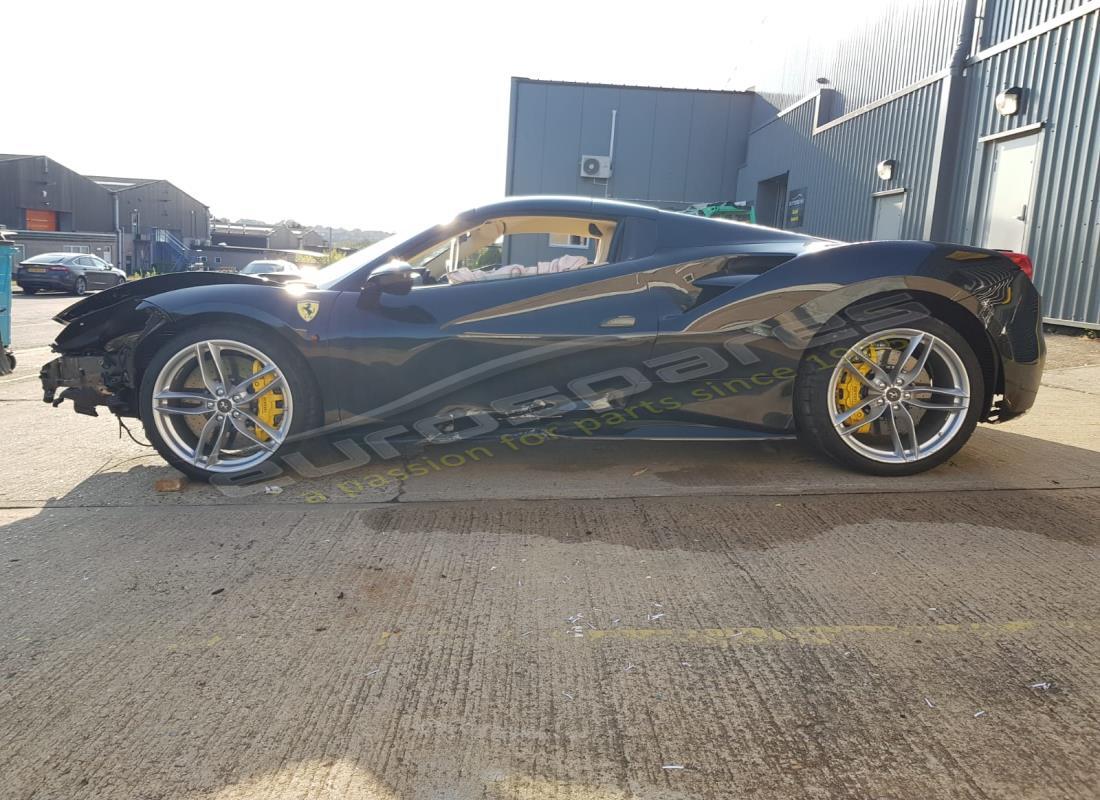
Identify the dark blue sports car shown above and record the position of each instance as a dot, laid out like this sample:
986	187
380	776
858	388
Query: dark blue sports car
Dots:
572	317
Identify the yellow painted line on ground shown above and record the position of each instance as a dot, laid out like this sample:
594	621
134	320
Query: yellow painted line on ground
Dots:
831	634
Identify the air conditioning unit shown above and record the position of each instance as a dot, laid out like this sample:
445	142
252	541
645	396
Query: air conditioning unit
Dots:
595	166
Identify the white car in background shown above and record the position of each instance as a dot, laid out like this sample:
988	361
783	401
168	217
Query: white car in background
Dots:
270	267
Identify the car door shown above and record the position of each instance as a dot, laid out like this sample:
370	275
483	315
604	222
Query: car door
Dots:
82	266
96	274
506	346
102	273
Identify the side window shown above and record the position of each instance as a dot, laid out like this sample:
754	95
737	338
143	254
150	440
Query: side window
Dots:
517	247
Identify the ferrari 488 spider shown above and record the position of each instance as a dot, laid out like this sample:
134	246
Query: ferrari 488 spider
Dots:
573	317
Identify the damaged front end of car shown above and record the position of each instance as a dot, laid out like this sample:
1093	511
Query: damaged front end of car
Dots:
98	355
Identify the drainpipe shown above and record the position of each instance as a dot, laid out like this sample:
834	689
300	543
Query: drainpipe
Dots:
945	153
120	259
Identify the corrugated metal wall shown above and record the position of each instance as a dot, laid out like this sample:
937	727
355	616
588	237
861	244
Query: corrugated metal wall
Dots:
837	166
1003	19
673	147
1060	71
902	42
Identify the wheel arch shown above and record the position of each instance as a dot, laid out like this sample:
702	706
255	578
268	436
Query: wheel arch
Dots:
150	344
955	313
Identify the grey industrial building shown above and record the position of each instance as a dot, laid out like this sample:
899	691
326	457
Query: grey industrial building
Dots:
975	121
134	223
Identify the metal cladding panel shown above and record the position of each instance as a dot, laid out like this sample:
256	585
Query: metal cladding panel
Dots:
836	166
1060	73
880	52
1004	19
673	147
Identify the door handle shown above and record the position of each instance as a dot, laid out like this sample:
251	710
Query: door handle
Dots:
1023	214
624	321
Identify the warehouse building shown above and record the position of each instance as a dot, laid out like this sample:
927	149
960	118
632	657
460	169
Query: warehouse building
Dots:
134	223
158	222
975	121
46	207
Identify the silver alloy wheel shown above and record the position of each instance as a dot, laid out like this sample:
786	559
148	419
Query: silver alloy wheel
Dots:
205	405
913	396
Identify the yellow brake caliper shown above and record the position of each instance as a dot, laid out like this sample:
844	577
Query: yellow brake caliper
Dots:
849	393
269	406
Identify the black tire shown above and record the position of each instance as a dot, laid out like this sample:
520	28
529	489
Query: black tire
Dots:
307	406
814	420
29	290
80	287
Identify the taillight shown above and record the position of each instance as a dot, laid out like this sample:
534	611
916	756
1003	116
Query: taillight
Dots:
59	269
1022	261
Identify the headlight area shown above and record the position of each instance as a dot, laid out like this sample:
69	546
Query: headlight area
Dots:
89	381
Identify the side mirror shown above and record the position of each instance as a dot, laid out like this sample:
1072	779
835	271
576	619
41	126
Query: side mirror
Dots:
396	277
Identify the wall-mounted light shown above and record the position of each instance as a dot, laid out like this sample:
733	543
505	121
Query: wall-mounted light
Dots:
1009	102
885	169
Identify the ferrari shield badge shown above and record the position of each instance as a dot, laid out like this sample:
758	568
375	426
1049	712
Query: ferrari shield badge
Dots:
307	309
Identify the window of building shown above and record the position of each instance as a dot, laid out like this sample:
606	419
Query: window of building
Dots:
568	240
77	248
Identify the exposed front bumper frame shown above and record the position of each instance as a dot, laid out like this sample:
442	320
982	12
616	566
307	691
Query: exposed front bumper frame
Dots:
82	379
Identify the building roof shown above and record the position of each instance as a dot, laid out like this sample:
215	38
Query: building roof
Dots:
9	157
583	84
235	227
120	184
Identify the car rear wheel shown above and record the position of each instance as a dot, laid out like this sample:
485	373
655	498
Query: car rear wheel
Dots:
222	400
29	290
81	286
894	402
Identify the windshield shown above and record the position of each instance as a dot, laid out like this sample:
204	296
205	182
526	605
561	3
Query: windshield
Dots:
260	267
329	276
49	258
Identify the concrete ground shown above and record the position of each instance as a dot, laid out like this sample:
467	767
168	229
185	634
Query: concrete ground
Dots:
591	622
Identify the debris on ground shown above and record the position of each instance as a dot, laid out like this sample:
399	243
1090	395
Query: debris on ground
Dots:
177	484
1041	685
567	695
672	766
340	596
930	703
218	591
979	714
641	471
652	617
273	490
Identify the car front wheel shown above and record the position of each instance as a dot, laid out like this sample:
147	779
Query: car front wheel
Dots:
894	402
223	401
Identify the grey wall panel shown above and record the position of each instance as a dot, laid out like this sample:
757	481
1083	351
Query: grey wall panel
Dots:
837	165
1060	71
880	52
673	147
1003	19
634	155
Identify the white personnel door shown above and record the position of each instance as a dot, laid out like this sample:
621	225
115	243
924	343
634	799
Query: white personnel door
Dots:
889	213
1008	199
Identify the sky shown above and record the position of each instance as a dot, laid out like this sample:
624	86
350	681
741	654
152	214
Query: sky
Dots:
376	116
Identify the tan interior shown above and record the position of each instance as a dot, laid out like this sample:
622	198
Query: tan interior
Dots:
449	253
